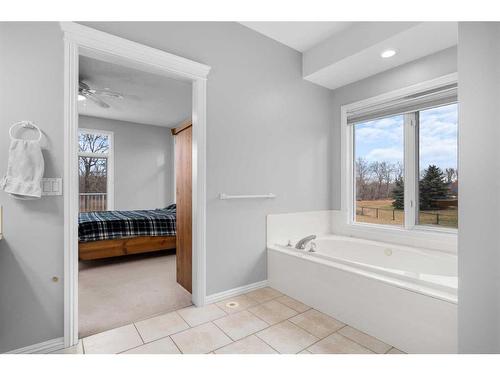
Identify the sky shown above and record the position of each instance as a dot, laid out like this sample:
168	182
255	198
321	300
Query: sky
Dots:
382	140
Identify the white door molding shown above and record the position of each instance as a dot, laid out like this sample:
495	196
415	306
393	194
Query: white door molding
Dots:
82	40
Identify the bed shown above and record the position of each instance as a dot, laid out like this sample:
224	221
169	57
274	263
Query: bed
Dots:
104	234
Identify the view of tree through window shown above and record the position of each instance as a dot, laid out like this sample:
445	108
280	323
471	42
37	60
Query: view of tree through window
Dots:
379	171
379	168
438	164
93	171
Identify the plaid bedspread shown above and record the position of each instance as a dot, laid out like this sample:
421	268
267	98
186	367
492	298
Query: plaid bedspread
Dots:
108	225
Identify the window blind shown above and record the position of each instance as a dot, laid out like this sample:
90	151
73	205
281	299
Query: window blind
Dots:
411	103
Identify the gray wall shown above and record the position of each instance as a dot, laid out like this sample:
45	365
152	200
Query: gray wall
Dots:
426	68
143	163
31	88
479	209
265	124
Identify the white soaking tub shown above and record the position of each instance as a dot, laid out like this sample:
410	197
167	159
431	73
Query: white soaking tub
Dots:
402	295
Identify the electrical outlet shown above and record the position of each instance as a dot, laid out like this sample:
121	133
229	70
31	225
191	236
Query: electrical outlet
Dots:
51	186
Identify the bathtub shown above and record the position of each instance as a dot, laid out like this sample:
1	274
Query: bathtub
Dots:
402	295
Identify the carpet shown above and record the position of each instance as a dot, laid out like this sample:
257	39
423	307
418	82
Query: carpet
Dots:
118	291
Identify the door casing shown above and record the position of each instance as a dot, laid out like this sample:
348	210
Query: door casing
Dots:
82	40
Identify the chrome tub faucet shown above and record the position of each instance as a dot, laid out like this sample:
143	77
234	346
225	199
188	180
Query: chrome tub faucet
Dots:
301	245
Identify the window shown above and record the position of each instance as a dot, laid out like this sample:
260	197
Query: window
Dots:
95	164
403	161
437	166
378	168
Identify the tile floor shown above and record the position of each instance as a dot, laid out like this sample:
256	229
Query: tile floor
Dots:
260	322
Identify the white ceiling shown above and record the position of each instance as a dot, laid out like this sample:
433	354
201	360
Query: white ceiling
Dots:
298	35
361	59
147	98
335	54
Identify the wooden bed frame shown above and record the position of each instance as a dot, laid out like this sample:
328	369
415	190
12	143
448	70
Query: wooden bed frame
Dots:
124	246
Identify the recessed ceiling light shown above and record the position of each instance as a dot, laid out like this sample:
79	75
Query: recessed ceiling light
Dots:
388	53
81	97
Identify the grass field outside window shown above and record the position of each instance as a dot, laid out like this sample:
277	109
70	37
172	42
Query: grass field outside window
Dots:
383	212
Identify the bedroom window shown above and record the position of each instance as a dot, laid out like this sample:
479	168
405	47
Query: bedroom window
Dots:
403	161
95	165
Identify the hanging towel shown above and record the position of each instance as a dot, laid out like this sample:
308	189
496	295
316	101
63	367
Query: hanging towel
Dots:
25	166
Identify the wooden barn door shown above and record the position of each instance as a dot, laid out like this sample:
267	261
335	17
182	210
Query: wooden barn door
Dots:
183	191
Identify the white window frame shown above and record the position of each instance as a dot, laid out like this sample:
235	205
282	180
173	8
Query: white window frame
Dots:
110	156
410	163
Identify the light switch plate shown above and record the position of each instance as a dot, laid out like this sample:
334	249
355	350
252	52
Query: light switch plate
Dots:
51	186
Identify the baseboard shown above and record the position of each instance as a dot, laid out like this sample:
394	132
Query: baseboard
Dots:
41	348
234	292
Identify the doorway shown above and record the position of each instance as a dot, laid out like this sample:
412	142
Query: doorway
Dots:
134	239
84	41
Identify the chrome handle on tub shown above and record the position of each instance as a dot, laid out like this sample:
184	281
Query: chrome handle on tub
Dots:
312	247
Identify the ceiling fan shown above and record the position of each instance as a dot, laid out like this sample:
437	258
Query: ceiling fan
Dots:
86	92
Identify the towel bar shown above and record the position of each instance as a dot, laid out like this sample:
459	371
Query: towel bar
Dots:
224	196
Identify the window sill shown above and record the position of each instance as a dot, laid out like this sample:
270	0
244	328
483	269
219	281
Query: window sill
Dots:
422	229
441	239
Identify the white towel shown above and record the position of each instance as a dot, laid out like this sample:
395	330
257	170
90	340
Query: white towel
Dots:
25	168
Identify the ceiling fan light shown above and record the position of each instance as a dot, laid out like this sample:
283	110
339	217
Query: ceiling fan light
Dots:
81	98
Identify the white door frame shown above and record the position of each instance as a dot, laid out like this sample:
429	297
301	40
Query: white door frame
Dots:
82	40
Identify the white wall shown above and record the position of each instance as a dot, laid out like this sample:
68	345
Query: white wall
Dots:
143	163
426	68
479	186
268	131
31	253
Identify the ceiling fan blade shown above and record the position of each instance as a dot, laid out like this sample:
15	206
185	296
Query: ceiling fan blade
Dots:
96	100
110	93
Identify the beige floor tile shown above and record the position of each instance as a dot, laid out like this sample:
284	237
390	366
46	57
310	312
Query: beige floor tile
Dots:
273	312
249	345
287	338
76	349
264	294
161	326
113	341
293	304
240	325
161	346
365	340
317	323
395	351
236	304
337	344
201	339
198	315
